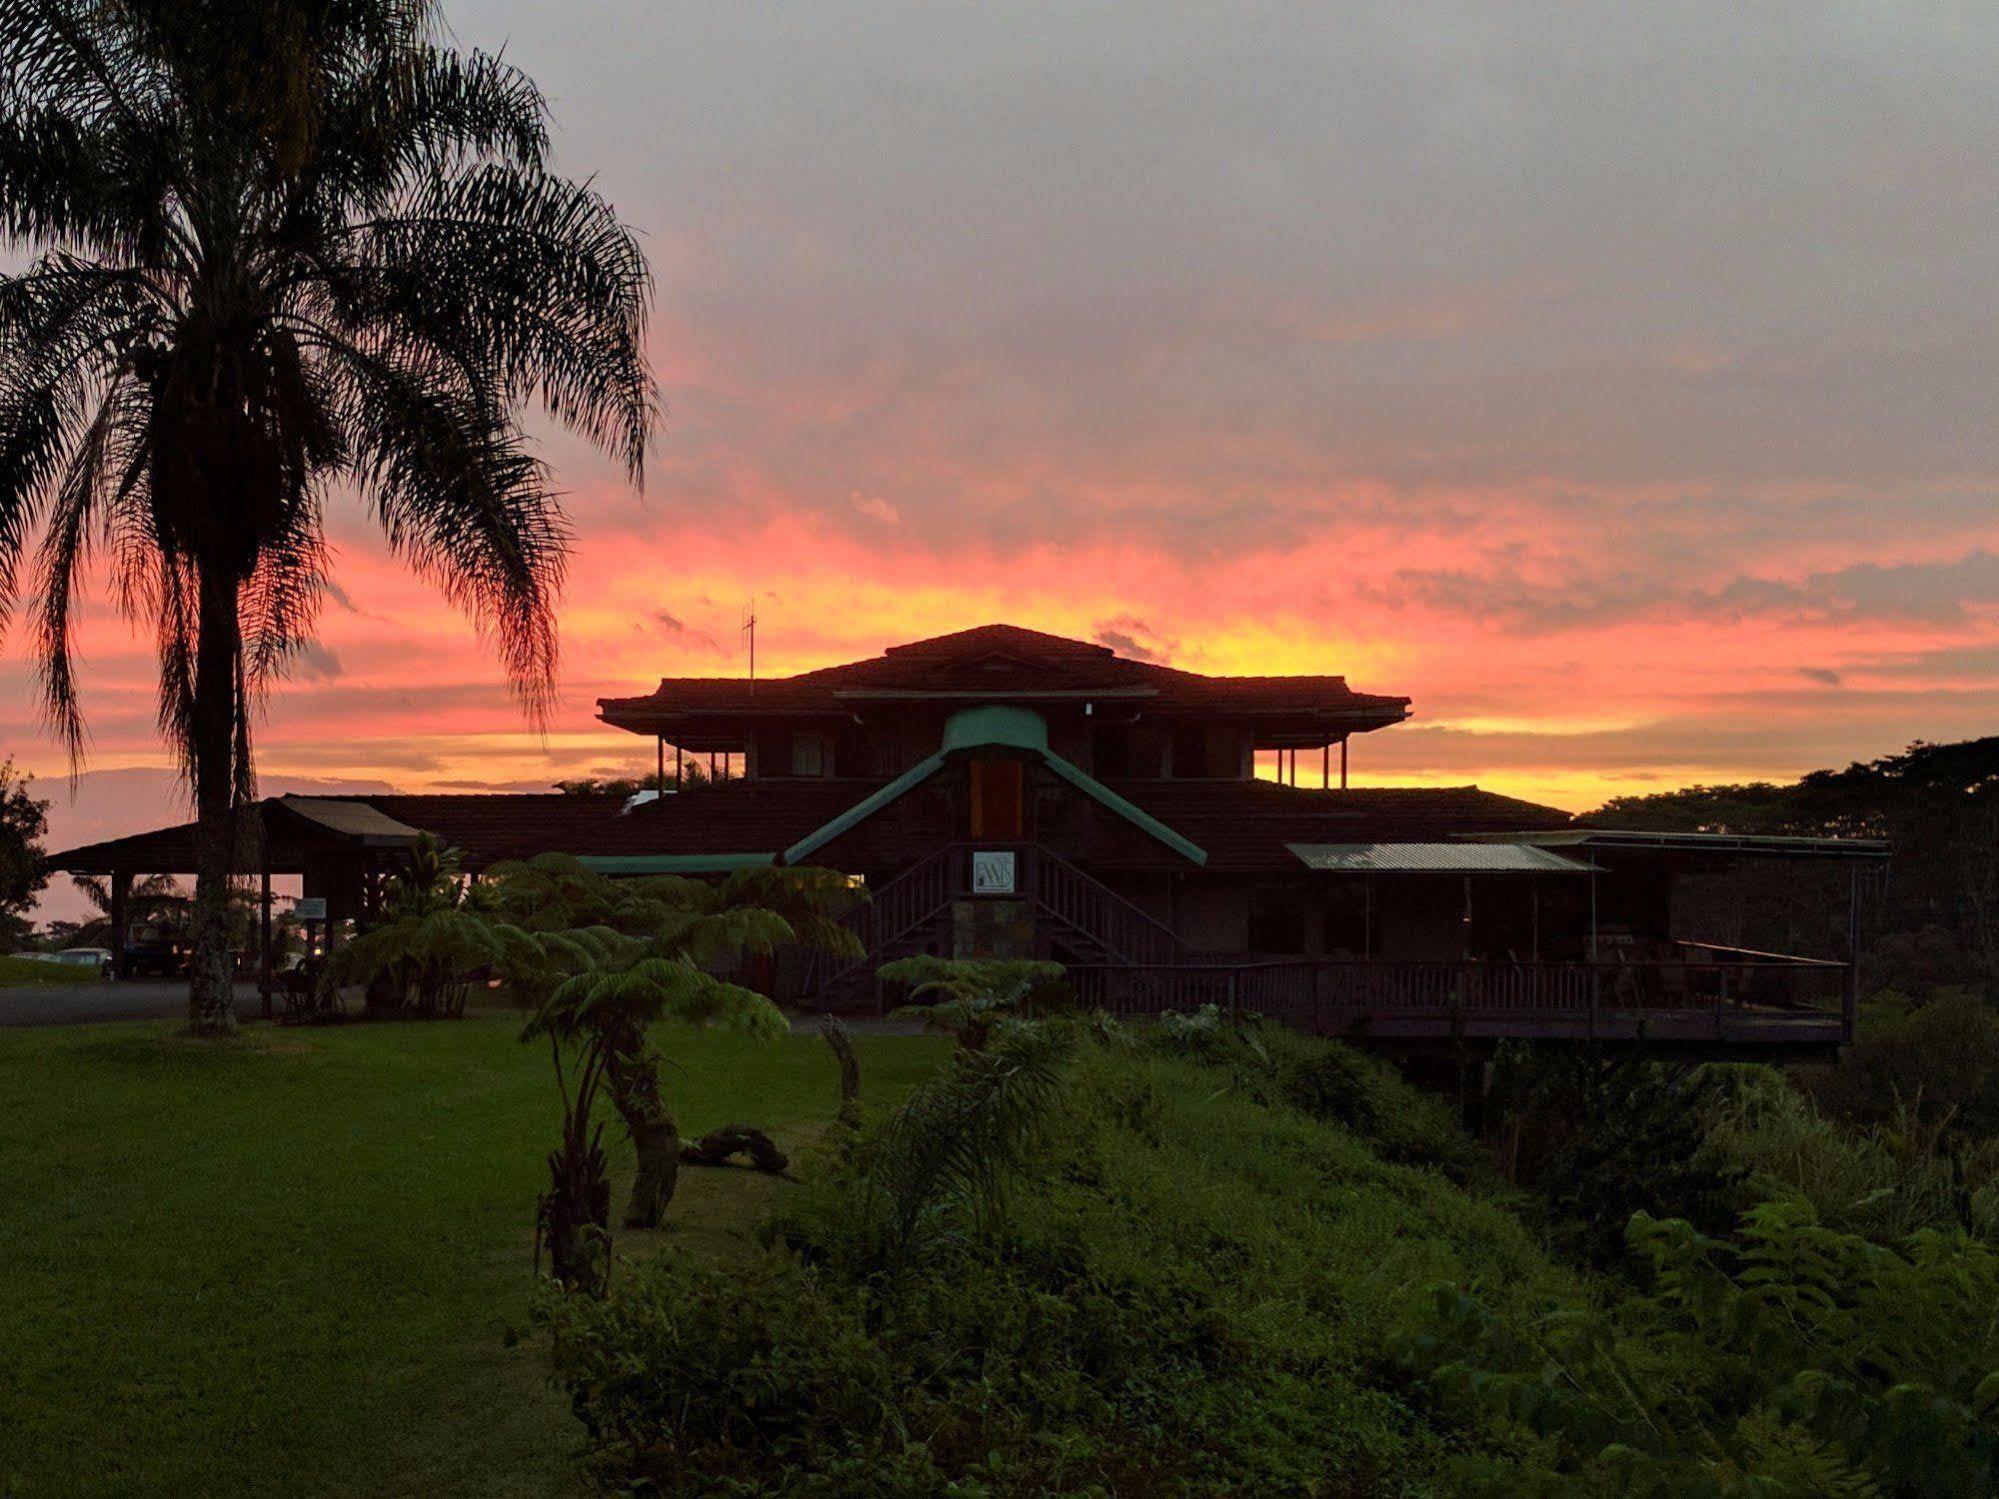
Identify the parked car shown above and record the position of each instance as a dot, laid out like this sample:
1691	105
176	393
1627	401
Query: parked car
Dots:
154	951
81	957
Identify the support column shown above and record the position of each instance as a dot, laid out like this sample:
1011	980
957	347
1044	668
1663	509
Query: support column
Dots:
1850	1001
264	975
1343	762
121	890
1326	766
659	779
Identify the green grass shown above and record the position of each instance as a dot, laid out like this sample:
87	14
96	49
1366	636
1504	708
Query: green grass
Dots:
292	1263
17	972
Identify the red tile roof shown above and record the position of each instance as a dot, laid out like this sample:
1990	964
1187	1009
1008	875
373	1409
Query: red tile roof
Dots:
1001	661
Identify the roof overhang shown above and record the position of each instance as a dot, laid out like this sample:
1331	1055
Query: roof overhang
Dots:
635	864
1723	845
1435	858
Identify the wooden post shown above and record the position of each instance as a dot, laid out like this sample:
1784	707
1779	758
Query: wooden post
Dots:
1326	766
264	933
676	767
121	890
1592	915
1343	762
659	779
1850	1000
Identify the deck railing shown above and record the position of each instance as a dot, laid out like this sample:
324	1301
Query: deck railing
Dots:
1764	997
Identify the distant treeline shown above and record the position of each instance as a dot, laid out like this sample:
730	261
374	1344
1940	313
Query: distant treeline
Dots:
1932	918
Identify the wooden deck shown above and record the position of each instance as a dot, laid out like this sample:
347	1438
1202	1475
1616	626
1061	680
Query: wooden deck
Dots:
1749	1005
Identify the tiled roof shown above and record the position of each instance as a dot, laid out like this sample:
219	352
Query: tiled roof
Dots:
1003	660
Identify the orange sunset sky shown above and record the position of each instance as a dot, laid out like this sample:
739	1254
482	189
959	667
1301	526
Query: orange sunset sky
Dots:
1620	382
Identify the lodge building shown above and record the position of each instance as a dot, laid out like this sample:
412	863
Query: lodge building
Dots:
1004	792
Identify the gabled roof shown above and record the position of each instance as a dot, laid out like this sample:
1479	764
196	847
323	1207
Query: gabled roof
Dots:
1002	662
993	727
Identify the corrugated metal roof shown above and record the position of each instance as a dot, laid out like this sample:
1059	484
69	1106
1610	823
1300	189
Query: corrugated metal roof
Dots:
1779	844
1433	858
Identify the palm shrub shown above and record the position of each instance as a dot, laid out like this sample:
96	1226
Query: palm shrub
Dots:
601	960
966	997
956	1142
599	1015
1791	1360
422	956
280	250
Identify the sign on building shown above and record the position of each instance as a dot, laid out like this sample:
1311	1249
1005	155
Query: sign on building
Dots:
992	872
309	908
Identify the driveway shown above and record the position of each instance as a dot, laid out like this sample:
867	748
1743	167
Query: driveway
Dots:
135	999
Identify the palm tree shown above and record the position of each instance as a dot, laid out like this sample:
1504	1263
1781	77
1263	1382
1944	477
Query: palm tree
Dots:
284	249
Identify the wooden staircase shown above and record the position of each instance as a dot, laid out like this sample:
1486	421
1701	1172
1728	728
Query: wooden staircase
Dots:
1074	913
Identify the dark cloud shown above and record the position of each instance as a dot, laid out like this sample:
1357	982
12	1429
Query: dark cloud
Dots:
1130	636
673	627
315	662
1820	674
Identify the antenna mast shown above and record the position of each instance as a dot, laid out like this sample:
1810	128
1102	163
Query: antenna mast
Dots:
749	633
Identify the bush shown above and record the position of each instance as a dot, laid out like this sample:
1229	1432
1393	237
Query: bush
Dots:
1599	1137
1189	1293
1795	1360
1881	1181
1938	1060
1330	1081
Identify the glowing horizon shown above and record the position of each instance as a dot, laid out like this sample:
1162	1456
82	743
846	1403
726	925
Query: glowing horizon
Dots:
1638	429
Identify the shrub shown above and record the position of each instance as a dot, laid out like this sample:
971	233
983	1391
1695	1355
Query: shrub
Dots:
1189	1293
1599	1137
1795	1360
1939	1059
1882	1181
1330	1081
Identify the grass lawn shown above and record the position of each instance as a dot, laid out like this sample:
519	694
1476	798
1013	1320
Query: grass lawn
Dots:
290	1263
17	972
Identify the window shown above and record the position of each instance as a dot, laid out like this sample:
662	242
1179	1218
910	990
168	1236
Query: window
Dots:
850	752
1190	754
808	753
996	798
1110	751
1276	920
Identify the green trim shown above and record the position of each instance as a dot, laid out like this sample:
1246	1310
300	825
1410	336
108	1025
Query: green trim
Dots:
1143	820
863	809
672	863
994	727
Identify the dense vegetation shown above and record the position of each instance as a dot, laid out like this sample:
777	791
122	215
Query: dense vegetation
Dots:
1204	1258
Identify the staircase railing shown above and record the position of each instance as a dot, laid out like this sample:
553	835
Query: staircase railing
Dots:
1123	931
1086	903
898	908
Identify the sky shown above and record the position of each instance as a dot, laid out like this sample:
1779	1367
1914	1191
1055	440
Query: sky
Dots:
1619	381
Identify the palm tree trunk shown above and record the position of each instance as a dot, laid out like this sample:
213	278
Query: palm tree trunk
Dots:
210	999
